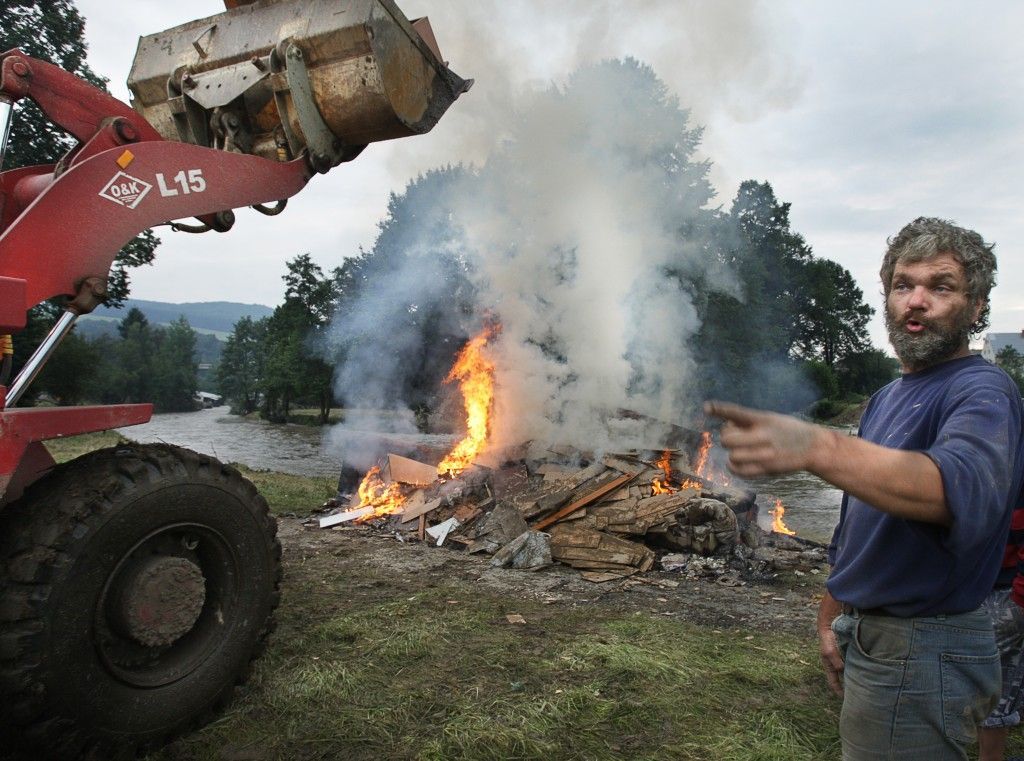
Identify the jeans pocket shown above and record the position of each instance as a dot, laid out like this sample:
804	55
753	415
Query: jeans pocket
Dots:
970	689
886	640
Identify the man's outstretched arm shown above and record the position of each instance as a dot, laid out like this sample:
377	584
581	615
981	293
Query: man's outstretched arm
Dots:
902	483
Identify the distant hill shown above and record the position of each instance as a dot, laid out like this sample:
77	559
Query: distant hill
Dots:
204	316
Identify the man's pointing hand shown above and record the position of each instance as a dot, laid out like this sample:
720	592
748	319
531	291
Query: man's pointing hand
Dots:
760	443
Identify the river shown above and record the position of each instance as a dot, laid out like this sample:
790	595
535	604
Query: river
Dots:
812	506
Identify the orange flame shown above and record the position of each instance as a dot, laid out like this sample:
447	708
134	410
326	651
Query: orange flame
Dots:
704	467
383	498
665	463
777	524
702	453
475	374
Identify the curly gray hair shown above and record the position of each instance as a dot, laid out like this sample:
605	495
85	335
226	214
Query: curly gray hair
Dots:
926	237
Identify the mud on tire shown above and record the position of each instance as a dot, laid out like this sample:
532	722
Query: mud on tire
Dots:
137	584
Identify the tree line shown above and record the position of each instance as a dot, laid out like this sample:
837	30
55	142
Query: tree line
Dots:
141	363
796	311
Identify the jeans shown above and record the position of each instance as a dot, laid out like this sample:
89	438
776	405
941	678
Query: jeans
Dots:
915	688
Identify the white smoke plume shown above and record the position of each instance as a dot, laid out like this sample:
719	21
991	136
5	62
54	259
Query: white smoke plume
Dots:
583	232
574	225
577	237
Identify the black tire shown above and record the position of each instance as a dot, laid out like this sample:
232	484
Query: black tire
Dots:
86	557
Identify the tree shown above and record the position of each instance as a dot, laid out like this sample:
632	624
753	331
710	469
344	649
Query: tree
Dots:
69	375
745	342
242	365
175	368
1012	361
284	376
133	377
53	31
292	368
862	373
832	317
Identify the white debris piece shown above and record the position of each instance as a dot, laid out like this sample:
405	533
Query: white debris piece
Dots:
350	515
441	530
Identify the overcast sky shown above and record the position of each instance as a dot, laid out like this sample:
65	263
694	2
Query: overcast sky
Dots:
862	115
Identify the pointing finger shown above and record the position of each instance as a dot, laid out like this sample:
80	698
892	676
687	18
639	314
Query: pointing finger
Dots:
743	416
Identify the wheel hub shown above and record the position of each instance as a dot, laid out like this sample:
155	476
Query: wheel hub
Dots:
160	600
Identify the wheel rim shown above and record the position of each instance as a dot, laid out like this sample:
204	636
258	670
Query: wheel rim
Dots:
167	605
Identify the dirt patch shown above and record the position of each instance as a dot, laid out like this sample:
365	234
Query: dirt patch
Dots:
780	603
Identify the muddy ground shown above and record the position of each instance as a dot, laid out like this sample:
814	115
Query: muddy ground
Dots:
785	602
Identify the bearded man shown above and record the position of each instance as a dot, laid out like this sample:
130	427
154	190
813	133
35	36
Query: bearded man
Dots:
929	484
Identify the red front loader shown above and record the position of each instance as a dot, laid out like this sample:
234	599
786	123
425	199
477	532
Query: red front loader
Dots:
137	584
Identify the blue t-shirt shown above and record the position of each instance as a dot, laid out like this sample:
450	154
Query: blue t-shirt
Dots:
965	414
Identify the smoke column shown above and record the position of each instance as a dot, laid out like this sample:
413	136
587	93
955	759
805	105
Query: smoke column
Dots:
582	233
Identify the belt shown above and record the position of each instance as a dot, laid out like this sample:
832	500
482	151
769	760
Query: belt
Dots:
850	610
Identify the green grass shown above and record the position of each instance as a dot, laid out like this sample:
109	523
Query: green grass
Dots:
287	494
415	677
71	447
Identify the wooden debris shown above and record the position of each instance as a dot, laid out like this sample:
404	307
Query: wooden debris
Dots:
406	471
554	472
411	513
583	501
621	465
598	551
599	577
641	516
421	531
515	618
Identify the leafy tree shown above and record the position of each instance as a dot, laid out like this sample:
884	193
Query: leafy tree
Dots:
133	379
175	368
285	372
832	319
745	343
69	375
293	366
862	373
1012	361
823	377
53	31
242	365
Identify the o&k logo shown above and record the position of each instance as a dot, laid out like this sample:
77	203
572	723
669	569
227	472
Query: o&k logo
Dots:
125	190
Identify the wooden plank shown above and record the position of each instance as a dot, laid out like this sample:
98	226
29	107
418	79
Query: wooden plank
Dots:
415	512
584	501
570	539
592	566
421	532
620	465
597	556
406	471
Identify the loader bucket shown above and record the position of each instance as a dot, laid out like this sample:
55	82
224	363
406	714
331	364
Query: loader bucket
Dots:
280	77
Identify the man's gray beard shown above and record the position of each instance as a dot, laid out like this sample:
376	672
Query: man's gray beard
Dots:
931	347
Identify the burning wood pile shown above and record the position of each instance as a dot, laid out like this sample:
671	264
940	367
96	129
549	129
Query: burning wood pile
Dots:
608	516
